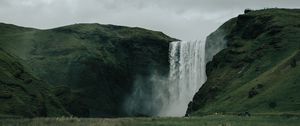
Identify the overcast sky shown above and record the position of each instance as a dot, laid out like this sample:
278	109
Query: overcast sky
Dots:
183	19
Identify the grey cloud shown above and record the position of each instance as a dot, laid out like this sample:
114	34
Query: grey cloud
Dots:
183	19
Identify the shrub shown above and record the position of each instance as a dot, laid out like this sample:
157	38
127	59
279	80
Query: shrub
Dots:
252	93
293	63
247	10
272	104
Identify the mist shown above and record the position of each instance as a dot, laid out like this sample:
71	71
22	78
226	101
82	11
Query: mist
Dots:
169	96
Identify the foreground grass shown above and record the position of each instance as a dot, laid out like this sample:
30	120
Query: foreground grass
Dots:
213	120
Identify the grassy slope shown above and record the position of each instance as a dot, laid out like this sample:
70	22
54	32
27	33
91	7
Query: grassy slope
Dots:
257	72
99	62
21	94
213	120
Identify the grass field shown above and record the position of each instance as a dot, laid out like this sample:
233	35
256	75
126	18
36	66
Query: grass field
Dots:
212	120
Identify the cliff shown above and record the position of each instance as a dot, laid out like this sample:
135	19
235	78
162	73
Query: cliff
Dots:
258	71
93	67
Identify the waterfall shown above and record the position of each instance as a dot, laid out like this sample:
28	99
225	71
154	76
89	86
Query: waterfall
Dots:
187	74
170	96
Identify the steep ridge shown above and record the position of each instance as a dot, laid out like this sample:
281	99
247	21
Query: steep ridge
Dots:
259	71
100	63
23	95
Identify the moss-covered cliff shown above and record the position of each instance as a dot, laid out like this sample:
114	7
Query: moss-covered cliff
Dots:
258	71
98	62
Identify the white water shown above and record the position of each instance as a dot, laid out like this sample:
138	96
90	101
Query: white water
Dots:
171	96
187	74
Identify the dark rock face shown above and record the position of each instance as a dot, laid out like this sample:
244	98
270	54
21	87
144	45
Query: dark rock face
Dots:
258	65
216	41
98	62
73	101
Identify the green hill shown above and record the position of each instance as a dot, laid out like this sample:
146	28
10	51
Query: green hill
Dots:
92	66
258	71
